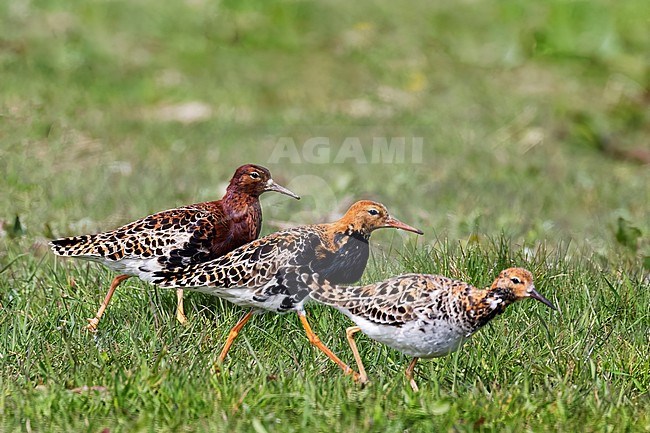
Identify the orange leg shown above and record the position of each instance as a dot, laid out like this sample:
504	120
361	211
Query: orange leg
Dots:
409	374
233	334
92	325
313	339
363	377
180	312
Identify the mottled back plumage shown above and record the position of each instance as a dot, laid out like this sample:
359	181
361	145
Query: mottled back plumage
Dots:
253	274
183	235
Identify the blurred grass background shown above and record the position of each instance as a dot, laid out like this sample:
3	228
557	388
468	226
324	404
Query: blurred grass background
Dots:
535	124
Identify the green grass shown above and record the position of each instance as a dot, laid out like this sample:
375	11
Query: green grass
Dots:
528	114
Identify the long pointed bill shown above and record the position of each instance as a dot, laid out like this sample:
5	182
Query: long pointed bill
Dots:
395	223
272	186
535	295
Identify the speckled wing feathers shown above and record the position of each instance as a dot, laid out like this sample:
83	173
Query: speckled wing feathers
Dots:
395	301
252	265
182	235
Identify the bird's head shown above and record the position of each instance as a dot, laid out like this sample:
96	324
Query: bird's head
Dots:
519	282
254	180
365	216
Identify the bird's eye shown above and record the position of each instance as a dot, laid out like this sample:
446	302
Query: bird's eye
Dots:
373	212
255	175
515	280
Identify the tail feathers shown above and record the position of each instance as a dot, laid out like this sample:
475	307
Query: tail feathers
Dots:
84	245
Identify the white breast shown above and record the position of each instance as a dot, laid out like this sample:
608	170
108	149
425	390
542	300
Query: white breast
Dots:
417	338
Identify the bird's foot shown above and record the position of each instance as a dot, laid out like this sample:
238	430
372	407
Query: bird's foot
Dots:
356	377
92	324
216	368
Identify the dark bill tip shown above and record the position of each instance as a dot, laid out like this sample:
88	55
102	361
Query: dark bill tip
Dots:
535	295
